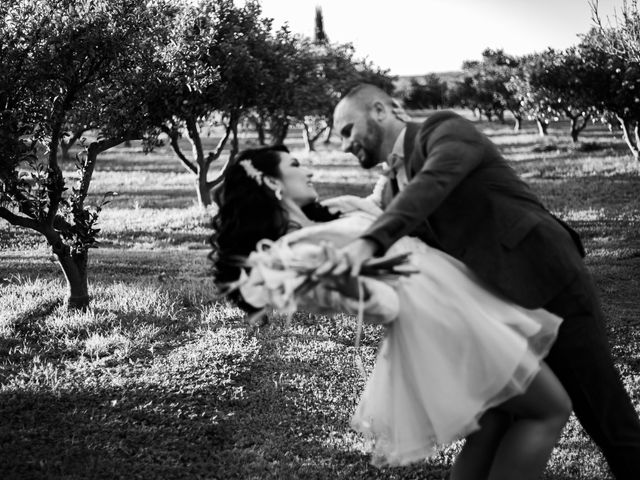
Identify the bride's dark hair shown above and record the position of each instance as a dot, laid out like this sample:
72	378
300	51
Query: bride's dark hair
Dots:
249	211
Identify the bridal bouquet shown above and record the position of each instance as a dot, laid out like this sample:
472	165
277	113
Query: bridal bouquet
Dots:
276	274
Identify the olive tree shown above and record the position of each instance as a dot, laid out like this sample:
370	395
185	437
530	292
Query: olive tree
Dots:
59	62
211	76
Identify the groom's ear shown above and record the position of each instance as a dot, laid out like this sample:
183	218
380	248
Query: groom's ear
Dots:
379	110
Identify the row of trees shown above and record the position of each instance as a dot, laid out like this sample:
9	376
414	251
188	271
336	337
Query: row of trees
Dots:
167	69
158	71
596	80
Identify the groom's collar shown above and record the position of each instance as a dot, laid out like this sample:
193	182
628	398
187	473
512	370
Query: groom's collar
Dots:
398	146
409	138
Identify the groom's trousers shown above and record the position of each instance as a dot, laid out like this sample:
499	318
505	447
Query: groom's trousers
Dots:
581	359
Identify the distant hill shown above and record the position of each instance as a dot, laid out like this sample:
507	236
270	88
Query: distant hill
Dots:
450	77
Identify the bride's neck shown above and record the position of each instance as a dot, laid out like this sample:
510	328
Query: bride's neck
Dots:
296	215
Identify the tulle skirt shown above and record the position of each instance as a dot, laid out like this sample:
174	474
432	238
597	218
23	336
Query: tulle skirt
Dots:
455	351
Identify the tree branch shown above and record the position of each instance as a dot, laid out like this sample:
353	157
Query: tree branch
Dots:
55	182
61	224
585	120
25	205
196	142
319	133
93	150
220	146
19	220
173	138
220	177
73	137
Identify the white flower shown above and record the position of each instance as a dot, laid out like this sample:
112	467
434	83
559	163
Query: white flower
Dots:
277	272
251	171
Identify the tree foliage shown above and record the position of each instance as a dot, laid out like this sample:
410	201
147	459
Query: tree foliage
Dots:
304	80
619	37
484	87
210	74
430	92
617	93
555	84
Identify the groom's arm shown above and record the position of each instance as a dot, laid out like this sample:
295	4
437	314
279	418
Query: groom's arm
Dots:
452	149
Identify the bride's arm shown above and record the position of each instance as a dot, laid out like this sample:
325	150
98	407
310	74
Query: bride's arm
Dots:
351	203
380	301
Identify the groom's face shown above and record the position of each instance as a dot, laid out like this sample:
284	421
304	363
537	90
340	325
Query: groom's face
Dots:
361	135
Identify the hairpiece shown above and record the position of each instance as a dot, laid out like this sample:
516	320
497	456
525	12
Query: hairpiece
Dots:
251	171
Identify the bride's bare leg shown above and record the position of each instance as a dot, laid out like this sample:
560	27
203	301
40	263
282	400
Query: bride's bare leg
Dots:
476	457
539	416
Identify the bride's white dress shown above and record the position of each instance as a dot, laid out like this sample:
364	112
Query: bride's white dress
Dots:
452	348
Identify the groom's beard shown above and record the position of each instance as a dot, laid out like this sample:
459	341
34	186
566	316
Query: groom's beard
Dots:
371	150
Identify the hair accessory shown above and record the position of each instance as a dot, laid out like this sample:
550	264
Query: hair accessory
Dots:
251	171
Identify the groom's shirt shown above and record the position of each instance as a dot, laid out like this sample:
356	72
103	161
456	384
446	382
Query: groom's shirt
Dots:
394	175
394	168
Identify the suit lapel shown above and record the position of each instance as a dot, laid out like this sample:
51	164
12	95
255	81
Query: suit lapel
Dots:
409	143
424	231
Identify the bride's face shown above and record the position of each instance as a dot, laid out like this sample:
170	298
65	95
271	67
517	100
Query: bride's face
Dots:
296	181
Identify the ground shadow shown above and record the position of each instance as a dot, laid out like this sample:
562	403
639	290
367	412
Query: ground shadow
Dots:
165	430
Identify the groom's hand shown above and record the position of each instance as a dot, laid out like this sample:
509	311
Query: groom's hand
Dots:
349	259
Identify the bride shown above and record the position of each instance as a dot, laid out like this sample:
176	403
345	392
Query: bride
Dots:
457	360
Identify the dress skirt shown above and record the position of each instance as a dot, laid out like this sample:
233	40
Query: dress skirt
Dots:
455	350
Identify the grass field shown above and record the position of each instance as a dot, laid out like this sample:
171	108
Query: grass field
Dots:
159	380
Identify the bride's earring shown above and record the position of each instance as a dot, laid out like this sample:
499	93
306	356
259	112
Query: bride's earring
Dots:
274	186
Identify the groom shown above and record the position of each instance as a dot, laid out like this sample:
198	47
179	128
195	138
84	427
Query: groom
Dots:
449	181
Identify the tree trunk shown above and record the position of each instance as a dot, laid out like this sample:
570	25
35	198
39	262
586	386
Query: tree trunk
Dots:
235	148
542	126
75	271
260	130
279	131
518	125
327	140
203	189
67	142
500	115
74	267
578	123
575	131
630	133
307	137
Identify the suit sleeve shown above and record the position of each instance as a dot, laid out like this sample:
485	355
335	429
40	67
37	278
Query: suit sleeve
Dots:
451	149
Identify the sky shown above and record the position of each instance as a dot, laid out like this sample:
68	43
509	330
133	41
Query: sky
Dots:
414	37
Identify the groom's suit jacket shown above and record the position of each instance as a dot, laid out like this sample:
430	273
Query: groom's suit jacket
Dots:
480	211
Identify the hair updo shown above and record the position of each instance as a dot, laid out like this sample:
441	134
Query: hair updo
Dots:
249	211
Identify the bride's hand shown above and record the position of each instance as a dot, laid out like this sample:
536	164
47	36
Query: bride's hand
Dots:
349	259
346	285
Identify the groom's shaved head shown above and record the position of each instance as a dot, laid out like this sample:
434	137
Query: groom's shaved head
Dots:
365	95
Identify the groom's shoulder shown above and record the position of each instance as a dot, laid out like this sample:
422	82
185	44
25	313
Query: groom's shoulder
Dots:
442	116
445	122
